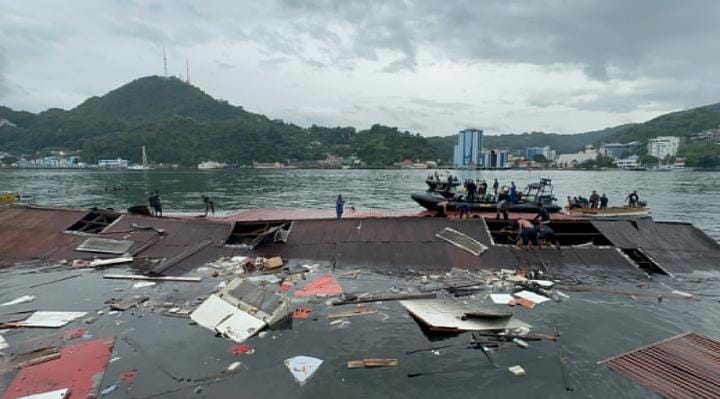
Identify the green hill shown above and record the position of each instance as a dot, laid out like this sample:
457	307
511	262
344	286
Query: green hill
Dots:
179	123
682	123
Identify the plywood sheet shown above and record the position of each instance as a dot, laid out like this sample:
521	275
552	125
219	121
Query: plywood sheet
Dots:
445	315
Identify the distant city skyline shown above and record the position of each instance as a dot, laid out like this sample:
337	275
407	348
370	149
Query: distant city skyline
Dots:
423	66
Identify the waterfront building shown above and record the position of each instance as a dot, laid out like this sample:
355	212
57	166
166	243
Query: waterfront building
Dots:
619	150
494	159
113	163
631	162
468	150
663	146
546	152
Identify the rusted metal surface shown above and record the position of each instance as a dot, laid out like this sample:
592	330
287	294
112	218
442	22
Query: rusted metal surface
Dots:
37	234
685	366
262	214
179	235
675	247
410	243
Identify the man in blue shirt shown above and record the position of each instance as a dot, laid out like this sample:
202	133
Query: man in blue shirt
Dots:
339	206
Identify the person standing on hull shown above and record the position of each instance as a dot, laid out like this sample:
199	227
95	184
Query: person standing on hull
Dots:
503	205
632	199
594	198
603	201
543	215
513	193
339	206
495	186
156	203
463	207
152	203
209	205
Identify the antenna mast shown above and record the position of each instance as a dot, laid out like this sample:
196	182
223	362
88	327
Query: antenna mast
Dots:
164	61
187	73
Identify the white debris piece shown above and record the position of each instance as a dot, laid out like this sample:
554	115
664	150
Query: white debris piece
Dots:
302	368
143	284
110	261
542	283
233	366
50	319
683	294
517	370
57	394
3	343
219	315
445	315
503	299
17	301
531	296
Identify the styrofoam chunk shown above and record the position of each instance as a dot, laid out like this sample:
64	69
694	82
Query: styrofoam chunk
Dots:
302	368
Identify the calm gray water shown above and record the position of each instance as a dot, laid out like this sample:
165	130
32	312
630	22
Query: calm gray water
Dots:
672	196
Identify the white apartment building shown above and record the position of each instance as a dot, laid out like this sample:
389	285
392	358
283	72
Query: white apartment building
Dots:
661	147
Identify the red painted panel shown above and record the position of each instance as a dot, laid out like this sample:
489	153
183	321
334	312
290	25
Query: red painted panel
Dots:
79	368
325	285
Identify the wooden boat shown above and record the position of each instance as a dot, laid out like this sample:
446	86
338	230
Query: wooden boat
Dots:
8	198
611	212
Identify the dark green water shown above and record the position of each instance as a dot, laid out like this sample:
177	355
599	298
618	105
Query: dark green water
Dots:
674	196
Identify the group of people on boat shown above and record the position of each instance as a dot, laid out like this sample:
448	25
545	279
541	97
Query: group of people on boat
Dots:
479	191
596	201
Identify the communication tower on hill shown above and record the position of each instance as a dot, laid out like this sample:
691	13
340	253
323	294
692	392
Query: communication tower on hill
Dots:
165	61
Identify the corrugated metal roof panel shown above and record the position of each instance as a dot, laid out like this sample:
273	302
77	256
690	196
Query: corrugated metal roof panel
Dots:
31	233
410	243
676	247
686	366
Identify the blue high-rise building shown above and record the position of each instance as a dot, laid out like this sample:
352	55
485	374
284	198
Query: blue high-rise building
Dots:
468	150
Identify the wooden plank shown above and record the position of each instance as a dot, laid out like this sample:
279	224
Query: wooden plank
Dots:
385	296
152	278
360	311
128	303
372	363
163	267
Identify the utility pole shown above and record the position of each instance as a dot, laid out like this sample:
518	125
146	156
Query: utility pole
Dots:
187	72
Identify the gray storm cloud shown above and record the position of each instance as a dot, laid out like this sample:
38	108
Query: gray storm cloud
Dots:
608	60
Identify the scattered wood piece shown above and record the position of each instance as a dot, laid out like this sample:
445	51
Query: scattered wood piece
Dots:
152	278
128	303
40	359
273	263
188	252
111	261
359	311
372	363
385	296
648	294
526	303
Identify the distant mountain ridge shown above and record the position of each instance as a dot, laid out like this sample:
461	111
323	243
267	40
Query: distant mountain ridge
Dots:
179	123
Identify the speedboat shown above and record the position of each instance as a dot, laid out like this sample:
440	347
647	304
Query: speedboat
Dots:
534	195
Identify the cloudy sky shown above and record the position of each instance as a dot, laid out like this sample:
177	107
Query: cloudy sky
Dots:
427	66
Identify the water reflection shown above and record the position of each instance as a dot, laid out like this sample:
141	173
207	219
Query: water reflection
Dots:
676	196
